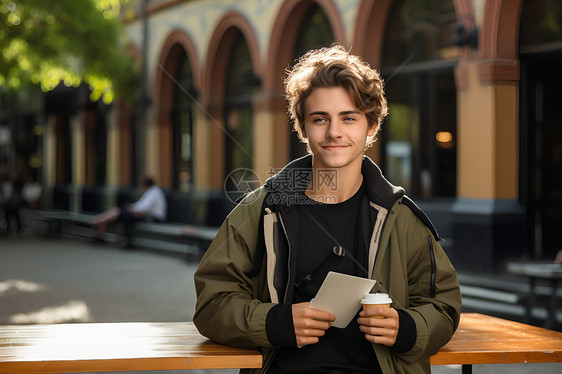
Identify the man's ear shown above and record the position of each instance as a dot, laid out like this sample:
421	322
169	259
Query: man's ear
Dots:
303	132
372	130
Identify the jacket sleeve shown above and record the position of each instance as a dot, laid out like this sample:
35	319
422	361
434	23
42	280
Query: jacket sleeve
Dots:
228	309
433	298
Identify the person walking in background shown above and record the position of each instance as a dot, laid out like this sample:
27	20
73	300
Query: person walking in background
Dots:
151	206
10	204
6	191
331	210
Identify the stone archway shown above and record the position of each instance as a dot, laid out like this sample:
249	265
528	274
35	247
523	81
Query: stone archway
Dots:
176	44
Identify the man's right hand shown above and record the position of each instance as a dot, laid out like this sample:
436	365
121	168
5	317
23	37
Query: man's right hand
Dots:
310	324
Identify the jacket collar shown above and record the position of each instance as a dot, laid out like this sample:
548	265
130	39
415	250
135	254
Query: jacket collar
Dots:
292	180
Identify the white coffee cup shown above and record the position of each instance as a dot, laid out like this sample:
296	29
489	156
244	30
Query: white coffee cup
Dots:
373	300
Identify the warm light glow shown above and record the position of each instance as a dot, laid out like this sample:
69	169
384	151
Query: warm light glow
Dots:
76	311
444	137
20	285
104	340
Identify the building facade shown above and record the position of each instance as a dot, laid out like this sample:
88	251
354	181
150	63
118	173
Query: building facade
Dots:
474	132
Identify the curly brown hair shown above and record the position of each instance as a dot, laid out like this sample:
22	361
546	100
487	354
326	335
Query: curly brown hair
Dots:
335	67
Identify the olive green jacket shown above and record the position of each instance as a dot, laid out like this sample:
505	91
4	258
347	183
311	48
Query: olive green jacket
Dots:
248	267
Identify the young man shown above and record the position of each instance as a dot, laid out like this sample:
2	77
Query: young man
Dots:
329	211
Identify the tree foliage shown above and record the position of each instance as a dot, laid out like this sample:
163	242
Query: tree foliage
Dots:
46	42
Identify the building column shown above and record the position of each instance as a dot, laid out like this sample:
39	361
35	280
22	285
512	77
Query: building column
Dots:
154	149
202	142
113	154
488	221
49	152
270	137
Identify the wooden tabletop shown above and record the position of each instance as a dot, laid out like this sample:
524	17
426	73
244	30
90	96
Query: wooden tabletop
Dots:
482	339
87	347
115	347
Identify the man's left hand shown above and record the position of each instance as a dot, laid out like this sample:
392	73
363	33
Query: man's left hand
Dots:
379	330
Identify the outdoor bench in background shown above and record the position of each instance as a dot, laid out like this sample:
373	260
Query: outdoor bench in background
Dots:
192	223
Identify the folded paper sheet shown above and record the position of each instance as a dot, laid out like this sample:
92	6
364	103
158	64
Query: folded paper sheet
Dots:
341	294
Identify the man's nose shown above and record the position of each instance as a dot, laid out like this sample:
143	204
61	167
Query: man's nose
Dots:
334	129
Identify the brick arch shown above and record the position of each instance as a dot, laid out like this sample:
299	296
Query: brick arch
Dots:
174	46
499	40
500	29
176	43
284	35
218	55
370	26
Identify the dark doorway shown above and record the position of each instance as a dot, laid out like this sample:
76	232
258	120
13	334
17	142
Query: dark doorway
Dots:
541	144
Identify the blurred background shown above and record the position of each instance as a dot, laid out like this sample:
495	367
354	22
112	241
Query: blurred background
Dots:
96	93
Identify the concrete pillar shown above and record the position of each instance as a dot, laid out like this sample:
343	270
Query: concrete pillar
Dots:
488	221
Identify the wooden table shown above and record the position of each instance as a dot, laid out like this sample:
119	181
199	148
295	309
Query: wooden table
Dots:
87	347
482	339
540	270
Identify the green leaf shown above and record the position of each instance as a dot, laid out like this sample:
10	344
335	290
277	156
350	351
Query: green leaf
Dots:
49	42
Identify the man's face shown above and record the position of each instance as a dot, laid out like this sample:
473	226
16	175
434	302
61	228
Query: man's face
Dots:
336	130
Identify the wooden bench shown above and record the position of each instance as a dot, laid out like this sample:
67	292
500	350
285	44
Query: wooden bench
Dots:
90	347
537	270
170	236
515	296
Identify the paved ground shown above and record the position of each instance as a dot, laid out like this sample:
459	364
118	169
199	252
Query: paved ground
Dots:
48	280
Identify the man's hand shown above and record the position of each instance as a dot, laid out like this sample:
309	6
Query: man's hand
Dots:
379	330
310	324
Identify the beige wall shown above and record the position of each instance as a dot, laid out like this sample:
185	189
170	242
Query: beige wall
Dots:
78	150
487	123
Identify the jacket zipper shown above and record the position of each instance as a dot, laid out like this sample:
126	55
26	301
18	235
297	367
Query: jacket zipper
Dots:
432	261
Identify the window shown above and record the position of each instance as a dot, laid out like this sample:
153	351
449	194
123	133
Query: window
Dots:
315	32
419	136
238	107
182	126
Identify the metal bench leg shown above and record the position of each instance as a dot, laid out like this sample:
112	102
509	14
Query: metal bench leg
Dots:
531	301
467	369
551	322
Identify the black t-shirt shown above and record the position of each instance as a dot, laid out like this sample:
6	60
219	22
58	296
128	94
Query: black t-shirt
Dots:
323	227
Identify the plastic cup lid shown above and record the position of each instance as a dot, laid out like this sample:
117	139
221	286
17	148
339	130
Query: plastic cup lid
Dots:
376	298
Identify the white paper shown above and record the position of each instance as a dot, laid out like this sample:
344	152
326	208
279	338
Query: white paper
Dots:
341	294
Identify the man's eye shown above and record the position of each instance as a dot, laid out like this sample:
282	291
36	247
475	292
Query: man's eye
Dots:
349	119
319	120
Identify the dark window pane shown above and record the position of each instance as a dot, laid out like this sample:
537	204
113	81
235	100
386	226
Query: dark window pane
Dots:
541	22
238	107
315	32
419	136
182	133
419	31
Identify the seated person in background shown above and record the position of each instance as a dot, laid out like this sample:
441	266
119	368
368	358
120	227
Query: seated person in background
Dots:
31	192
152	206
558	258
